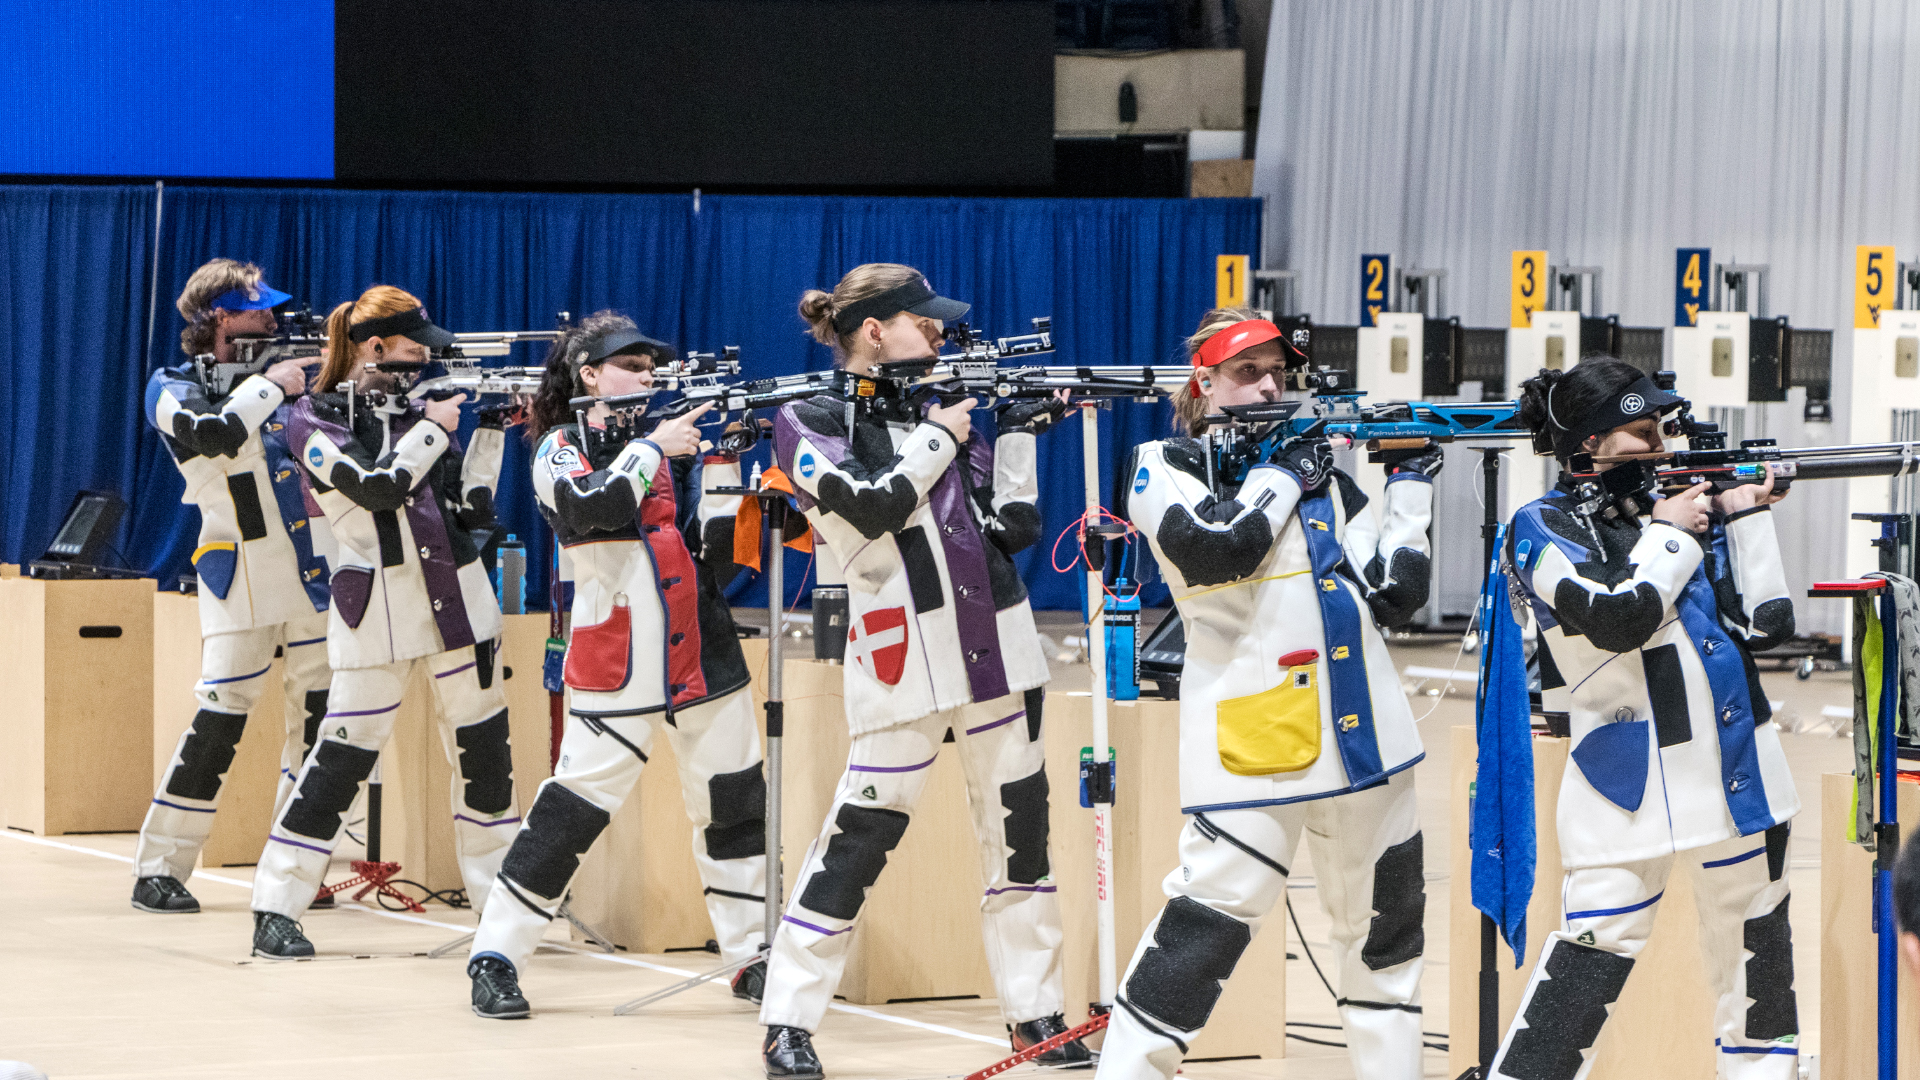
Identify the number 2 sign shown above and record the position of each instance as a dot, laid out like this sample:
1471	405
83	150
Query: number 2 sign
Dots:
1374	272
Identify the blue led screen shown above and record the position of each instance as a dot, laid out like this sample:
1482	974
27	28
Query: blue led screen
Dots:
187	88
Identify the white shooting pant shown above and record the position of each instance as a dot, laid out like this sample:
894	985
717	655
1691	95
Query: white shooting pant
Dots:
233	668
472	715
1368	861
1740	886
717	744
1004	759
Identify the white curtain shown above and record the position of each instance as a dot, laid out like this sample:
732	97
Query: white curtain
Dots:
1451	132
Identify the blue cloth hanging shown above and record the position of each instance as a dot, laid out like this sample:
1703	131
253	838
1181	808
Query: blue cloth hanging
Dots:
1502	838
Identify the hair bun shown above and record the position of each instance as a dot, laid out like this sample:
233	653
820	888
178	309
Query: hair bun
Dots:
818	309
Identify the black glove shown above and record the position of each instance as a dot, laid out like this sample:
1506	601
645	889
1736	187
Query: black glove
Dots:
1427	461
1031	415
1309	459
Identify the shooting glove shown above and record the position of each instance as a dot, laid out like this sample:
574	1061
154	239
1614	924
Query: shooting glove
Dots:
1309	459
1427	461
1031	415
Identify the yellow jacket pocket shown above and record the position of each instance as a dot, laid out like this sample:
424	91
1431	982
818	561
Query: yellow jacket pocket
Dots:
1274	731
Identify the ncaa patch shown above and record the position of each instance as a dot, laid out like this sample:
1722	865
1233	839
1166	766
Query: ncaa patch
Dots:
807	465
1140	480
317	456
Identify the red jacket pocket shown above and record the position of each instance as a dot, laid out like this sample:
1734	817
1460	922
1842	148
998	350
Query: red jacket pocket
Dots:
600	657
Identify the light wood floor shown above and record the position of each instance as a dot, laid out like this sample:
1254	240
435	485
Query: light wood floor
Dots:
90	988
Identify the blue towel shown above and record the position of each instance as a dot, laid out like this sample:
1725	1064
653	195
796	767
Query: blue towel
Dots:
1502	836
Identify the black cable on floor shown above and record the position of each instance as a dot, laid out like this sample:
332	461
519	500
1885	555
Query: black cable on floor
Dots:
453	898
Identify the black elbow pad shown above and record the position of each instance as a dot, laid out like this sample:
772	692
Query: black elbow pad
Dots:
598	502
1395	602
1206	557
875	511
1019	527
380	491
210	435
1616	622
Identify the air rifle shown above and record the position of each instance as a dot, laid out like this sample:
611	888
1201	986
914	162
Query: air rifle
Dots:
302	335
1250	435
696	375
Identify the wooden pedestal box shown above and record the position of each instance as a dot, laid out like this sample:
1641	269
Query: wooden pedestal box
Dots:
1146	845
1663	1023
76	733
1849	949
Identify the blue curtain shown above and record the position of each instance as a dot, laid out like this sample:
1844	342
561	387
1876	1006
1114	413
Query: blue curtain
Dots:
1124	281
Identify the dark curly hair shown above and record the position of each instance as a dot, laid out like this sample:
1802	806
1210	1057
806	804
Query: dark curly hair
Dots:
1556	397
561	383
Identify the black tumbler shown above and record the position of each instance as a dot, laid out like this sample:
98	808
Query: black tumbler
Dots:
830	614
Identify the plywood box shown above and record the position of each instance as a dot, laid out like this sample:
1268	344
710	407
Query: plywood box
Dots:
1849	949
76	730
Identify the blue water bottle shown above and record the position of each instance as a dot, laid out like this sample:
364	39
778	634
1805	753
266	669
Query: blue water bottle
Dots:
510	576
1123	632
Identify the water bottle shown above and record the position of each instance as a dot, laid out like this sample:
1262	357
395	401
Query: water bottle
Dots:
510	576
1122	623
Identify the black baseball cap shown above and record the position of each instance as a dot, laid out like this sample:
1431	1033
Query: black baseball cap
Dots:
626	341
412	325
915	297
1638	399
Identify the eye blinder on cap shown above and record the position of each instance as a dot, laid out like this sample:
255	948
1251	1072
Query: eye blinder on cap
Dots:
916	296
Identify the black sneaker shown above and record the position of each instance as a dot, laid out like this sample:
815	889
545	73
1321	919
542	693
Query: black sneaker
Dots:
324	901
496	989
1068	1055
164	896
788	1054
277	937
751	981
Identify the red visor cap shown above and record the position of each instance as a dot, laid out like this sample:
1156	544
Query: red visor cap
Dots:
1238	338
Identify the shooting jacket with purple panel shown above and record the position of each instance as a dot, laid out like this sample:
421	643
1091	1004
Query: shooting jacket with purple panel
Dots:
401	497
925	528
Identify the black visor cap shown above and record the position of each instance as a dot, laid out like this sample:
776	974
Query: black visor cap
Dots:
1640	399
629	341
915	297
412	325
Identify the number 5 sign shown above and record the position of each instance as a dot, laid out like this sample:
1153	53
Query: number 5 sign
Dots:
1873	271
1529	286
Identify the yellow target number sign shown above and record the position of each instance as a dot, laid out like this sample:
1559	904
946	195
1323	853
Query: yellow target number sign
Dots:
1529	286
1873	281
1230	280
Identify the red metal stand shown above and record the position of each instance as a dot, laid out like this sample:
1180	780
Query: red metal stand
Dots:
372	877
1098	1023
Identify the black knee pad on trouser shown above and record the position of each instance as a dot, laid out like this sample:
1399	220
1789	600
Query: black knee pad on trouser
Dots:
558	831
207	754
1775	1012
1777	849
1567	1011
1194	950
855	856
1398	933
316	706
1036	698
1026	827
486	763
737	805
328	789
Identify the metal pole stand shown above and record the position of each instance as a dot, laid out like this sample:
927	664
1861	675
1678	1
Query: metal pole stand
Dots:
1099	773
773	516
1489	932
1896	557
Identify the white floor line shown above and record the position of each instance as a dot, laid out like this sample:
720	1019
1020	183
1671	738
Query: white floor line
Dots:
457	928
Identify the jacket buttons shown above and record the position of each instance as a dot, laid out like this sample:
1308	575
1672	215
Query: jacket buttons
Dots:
426	552
967	590
1622	714
950	529
1726	715
1349	722
676	639
978	655
436	605
1738	783
1673	547
1706	646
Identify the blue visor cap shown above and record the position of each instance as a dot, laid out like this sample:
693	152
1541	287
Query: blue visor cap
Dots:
258	298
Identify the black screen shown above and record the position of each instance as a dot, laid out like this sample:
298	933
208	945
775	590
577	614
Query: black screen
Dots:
743	93
78	528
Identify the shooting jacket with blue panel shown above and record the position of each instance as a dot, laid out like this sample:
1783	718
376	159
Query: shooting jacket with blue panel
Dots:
403	499
1645	639
1288	692
638	529
924	528
262	558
